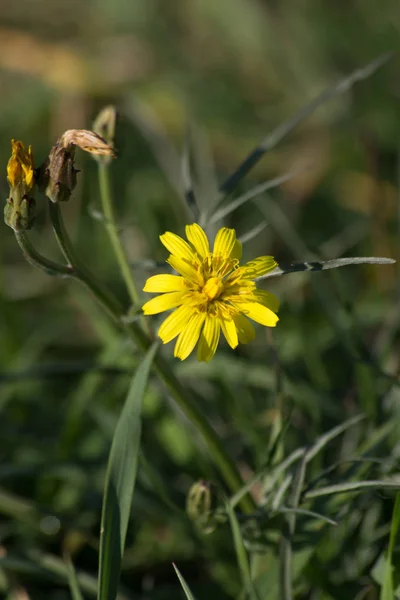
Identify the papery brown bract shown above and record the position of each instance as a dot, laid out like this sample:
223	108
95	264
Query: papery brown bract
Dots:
57	176
89	141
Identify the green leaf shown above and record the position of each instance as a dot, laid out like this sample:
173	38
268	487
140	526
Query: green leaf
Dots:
324	265
353	486
189	595
271	140
241	554
223	212
73	581
387	591
120	482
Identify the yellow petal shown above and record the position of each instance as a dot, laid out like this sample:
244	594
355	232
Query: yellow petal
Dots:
267	299
259	313
246	331
209	339
175	323
259	266
163	302
20	167
229	330
225	241
165	283
185	269
198	239
177	246
189	336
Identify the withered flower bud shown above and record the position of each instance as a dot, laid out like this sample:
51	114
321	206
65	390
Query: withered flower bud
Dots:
57	176
19	212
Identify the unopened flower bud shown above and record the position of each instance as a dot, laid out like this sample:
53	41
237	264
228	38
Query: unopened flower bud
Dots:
104	125
19	212
202	505
57	177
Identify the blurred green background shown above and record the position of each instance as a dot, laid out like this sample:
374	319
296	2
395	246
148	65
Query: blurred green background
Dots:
232	70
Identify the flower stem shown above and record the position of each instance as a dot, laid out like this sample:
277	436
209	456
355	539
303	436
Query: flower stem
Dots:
38	260
112	305
112	230
79	269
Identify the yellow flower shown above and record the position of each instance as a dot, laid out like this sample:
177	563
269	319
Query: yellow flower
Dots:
19	211
20	167
211	292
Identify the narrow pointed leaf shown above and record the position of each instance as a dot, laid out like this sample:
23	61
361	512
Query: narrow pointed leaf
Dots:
256	191
387	591
323	265
188	593
354	486
287	126
74	587
120	482
246	237
241	554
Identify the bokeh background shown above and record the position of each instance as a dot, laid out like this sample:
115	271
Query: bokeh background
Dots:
227	71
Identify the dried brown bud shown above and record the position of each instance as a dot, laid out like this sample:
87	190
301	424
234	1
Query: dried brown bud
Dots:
88	141
57	176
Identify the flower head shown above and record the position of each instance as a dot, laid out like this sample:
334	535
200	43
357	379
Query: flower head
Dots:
211	292
19	211
20	167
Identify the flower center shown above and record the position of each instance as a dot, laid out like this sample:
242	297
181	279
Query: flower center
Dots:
213	288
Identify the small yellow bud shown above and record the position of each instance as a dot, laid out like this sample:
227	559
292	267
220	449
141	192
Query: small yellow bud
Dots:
19	212
20	171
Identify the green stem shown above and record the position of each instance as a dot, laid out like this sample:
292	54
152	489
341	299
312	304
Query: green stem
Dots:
38	260
80	271
226	466
112	230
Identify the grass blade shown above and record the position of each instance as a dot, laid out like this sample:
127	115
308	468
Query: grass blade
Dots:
241	554
353	486
323	265
286	550
72	580
256	191
187	180
276	471
287	126
246	237
152	130
387	590
189	595
120	482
